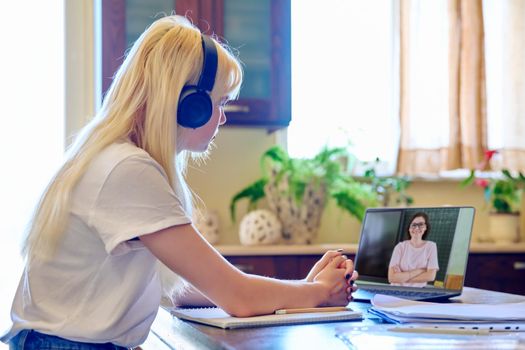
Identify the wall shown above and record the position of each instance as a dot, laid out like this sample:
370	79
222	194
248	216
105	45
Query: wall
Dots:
232	165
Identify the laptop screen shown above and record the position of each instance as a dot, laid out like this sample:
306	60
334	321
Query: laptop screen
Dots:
389	241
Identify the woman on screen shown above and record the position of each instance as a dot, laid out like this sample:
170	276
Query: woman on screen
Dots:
414	261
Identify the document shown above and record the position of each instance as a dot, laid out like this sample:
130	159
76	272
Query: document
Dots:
219	318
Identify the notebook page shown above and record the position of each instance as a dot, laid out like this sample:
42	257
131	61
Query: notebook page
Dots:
219	318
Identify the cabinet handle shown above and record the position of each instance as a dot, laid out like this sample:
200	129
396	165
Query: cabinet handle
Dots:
519	265
236	108
244	267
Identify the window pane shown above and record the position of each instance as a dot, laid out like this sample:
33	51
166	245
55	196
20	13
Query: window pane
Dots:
345	78
32	71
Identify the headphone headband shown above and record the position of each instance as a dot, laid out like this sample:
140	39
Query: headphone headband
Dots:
209	64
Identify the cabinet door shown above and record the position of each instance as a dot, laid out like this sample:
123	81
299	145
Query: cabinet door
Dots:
283	267
259	30
498	272
122	21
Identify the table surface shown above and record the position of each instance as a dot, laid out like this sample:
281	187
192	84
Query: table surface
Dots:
171	333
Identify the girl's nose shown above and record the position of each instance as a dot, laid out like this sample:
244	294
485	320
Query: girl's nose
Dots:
222	119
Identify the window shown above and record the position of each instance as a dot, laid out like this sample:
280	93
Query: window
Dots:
426	85
32	71
345	78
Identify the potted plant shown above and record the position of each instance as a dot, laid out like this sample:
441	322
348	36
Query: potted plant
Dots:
503	194
297	189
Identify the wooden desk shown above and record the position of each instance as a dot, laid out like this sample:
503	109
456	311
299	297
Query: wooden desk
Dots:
171	333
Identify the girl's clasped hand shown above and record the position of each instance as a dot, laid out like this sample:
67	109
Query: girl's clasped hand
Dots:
337	271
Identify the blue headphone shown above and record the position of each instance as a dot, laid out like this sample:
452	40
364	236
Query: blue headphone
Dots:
195	104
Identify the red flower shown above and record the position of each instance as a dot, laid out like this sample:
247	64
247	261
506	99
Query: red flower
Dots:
482	182
487	156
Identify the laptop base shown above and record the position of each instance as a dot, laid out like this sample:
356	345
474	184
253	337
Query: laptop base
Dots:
365	295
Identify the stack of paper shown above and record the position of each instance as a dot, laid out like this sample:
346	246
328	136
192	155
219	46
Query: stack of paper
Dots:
510	317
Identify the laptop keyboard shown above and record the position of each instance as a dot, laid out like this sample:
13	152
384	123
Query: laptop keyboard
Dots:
407	294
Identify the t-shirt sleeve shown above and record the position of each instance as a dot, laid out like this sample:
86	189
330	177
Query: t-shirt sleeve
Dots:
433	257
135	199
396	256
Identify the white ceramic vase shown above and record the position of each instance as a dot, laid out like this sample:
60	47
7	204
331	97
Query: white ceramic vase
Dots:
300	220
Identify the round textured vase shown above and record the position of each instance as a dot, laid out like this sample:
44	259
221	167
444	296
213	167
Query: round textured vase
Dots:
504	228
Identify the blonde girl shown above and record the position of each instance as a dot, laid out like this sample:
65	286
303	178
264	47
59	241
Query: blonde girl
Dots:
120	204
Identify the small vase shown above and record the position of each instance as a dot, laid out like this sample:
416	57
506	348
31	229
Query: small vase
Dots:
504	227
300	220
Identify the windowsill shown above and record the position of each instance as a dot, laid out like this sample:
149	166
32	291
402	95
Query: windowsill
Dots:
454	176
458	175
444	176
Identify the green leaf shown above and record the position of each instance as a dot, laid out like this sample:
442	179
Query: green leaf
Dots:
507	174
469	180
351	204
253	192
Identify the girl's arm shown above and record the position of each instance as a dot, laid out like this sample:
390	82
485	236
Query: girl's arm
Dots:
191	296
183	250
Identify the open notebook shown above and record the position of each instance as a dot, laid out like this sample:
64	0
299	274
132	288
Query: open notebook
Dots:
213	316
449	231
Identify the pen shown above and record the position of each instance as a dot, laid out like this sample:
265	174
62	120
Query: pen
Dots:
439	330
312	309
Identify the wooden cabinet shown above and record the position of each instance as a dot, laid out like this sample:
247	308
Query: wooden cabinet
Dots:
503	272
289	267
258	30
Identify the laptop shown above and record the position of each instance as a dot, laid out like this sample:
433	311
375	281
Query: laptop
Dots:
449	232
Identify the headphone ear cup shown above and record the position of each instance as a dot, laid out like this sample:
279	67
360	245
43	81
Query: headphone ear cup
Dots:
195	107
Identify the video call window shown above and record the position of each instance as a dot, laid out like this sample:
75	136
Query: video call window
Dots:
383	229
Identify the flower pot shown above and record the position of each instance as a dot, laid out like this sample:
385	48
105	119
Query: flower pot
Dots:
504	227
300	219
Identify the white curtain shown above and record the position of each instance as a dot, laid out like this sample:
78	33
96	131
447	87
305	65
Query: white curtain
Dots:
442	98
462	84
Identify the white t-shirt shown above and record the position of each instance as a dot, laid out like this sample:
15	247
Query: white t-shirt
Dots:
407	257
102	286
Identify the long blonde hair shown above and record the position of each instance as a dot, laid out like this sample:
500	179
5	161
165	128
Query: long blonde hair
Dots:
140	105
